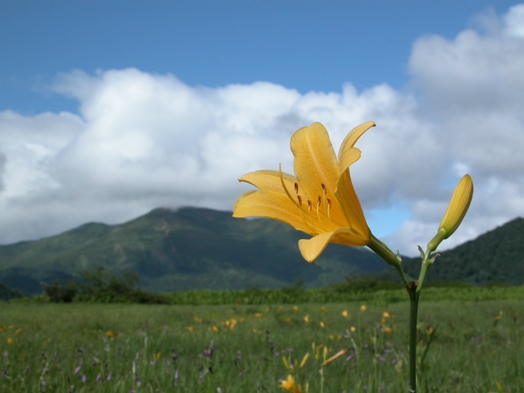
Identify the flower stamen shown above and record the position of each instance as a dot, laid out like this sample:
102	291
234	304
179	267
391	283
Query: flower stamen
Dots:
307	220
285	188
319	202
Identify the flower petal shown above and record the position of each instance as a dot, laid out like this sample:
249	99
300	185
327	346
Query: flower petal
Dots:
272	205
315	160
269	180
312	248
349	141
345	192
350	205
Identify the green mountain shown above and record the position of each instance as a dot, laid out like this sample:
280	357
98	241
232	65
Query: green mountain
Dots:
203	248
494	257
184	249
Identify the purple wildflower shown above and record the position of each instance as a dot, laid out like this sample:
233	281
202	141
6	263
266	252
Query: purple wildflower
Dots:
176	378
77	370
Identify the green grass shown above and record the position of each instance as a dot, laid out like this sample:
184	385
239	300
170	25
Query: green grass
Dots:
472	349
328	295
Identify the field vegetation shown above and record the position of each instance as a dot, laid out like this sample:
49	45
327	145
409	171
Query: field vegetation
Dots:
470	340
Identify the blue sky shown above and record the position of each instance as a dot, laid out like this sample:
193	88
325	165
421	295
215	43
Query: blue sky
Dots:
109	109
304	45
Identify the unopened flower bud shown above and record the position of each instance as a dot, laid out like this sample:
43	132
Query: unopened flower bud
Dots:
457	208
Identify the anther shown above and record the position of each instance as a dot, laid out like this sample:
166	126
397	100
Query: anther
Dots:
319	201
308	205
296	187
299	199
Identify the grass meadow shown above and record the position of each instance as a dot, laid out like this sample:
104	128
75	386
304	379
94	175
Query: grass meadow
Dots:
474	346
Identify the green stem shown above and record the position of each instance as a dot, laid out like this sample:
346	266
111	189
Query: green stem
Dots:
321	371
413	315
382	250
427	261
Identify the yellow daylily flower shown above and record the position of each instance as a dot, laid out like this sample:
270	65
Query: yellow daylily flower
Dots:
289	384
319	200
457	208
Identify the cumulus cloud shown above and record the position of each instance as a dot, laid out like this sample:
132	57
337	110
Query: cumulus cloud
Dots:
142	140
473	92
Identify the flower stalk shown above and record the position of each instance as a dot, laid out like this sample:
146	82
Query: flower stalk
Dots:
413	317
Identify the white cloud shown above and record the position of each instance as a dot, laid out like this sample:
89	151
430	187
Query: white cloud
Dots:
474	94
143	140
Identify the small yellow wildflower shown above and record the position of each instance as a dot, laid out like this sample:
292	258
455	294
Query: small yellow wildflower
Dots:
10	340
289	384
191	329
363	307
322	324
386	315
230	323
214	328
323	308
306	318
353	329
295	308
259	315
197	319
18	331
345	313
387	330
110	333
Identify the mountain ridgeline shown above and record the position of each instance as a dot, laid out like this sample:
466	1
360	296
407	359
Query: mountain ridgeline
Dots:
185	249
196	248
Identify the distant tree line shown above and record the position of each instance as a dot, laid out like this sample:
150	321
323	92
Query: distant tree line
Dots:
101	286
